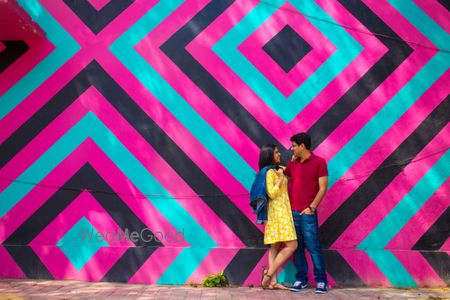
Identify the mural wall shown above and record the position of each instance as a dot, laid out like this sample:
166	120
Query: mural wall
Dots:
130	134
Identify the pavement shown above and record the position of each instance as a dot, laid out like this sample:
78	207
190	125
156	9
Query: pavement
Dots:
54	289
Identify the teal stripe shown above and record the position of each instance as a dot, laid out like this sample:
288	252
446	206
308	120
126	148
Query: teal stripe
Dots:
287	274
408	206
183	266
392	268
41	168
436	34
386	117
208	137
347	50
91	127
65	48
397	219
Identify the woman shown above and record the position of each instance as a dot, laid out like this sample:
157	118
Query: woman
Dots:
280	228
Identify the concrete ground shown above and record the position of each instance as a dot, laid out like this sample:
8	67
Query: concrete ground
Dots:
46	289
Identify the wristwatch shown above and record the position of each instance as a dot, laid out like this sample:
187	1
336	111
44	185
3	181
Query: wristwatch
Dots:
313	209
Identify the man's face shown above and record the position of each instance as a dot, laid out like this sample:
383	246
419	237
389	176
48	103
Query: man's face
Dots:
296	149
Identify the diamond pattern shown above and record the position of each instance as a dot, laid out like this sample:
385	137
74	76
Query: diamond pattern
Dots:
81	242
287	48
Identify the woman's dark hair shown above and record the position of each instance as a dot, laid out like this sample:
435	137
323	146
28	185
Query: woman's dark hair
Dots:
266	155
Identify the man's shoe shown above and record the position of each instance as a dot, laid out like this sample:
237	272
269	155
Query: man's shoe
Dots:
321	288
298	286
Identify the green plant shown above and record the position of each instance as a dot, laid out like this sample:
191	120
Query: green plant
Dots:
215	280
192	283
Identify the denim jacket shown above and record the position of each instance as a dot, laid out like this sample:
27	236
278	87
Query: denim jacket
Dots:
258	195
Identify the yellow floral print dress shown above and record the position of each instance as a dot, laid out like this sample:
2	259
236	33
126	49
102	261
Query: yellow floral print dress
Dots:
280	225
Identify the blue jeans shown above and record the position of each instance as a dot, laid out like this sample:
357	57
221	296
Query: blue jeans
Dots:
307	227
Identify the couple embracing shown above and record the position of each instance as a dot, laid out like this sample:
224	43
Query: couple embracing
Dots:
289	205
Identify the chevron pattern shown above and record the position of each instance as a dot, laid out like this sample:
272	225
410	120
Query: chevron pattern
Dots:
145	118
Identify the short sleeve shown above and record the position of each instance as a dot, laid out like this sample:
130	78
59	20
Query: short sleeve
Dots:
322	168
271	184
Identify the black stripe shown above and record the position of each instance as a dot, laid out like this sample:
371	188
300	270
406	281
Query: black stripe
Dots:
85	179
340	270
29	262
243	264
338	222
128	264
12	52
437	234
97	20
371	80
445	3
174	48
440	261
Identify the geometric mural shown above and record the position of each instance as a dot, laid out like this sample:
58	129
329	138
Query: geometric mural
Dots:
130	135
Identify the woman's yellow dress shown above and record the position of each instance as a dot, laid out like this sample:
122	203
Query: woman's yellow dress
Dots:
280	224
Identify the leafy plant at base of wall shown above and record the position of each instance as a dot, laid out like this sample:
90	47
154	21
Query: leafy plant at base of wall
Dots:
215	280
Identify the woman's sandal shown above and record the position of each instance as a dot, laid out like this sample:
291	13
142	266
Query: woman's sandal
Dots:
277	286
266	278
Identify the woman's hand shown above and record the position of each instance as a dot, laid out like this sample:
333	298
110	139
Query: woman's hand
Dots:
280	172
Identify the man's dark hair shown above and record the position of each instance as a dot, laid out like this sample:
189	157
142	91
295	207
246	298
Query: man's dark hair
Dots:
266	155
302	138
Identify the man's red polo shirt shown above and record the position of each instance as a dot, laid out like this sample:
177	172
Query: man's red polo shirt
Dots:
304	180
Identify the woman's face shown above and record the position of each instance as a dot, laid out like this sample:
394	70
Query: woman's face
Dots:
276	156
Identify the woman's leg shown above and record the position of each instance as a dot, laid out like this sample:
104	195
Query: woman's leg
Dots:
273	252
282	256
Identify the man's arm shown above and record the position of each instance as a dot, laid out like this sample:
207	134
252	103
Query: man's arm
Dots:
323	184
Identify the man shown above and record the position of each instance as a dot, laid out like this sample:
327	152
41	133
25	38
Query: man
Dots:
308	184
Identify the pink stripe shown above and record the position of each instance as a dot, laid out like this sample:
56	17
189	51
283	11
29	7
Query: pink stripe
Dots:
437	12
200	48
155	266
353	124
149	48
98	4
216	261
9	267
39	49
287	83
90	42
42	142
419	268
41	95
94	270
38	196
364	266
446	246
255	276
154	163
142	207
85	205
178	133
385	145
423	219
397	189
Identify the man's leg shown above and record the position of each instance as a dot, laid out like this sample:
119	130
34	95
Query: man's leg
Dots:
312	243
